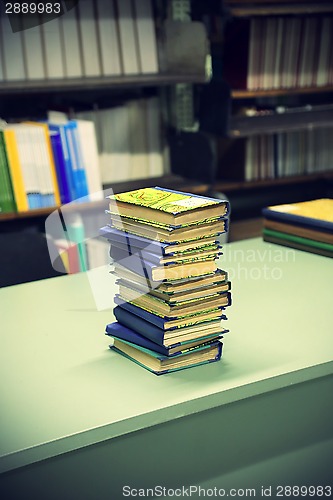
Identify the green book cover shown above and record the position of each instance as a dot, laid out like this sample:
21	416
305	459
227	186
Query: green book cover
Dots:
298	239
160	206
165	200
7	201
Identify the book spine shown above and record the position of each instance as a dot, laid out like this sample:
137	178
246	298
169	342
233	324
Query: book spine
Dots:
143	327
298	220
141	313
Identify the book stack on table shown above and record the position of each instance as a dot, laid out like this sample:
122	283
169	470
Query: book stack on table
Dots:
172	296
306	225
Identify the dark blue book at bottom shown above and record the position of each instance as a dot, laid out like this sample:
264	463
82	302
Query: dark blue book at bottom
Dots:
160	364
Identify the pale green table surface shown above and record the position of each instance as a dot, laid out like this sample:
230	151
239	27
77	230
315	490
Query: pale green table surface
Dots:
63	389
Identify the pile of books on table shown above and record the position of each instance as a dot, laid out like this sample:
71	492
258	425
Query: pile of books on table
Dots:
171	296
306	225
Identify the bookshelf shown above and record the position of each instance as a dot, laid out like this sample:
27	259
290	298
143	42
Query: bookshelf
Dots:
279	106
27	94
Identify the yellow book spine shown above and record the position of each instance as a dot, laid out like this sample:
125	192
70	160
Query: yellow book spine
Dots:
15	171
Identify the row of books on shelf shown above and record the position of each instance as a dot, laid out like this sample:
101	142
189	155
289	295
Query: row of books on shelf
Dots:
265	53
292	153
129	138
90	39
47	164
272	156
60	161
170	307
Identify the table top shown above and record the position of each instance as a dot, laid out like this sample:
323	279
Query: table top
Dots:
62	388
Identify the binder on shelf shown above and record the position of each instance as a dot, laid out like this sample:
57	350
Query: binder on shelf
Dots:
108	38
138	139
12	66
33	50
60	166
71	42
28	166
52	40
74	148
88	39
145	28
66	162
44	157
154	138
90	158
128	37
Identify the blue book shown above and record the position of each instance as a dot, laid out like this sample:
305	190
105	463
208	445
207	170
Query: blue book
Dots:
78	172
171	338
60	165
161	364
153	271
166	323
205	253
67	163
122	238
122	332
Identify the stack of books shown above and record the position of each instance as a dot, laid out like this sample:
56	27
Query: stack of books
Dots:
171	296
307	226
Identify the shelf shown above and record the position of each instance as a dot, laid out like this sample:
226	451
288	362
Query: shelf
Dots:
228	186
243	126
44	212
97	83
249	94
167	181
270	8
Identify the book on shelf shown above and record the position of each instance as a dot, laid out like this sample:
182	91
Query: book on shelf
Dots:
146	36
277	155
129	139
53	48
7	198
271	52
88	39
47	165
33	50
71	41
31	162
86	137
12	66
161	364
127	35
108	38
305	225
